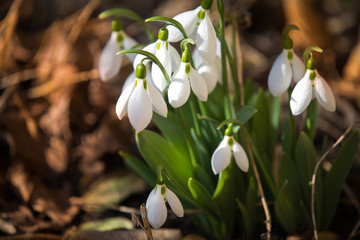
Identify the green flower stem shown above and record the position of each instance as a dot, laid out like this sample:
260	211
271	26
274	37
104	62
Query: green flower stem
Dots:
235	80
311	119
150	56
194	111
190	141
229	113
262	167
170	21
123	12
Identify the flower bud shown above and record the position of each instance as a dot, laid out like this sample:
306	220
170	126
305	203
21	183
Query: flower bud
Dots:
163	34
116	25
206	4
140	71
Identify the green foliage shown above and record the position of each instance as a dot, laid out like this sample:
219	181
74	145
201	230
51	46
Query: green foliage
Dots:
189	135
335	178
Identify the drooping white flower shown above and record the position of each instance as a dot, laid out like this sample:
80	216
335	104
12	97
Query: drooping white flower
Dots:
167	55
109	62
184	79
139	100
156	208
222	154
311	86
287	66
197	22
211	72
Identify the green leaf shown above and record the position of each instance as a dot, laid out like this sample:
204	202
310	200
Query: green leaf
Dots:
224	197
203	197
287	204
139	167
245	113
124	12
261	129
159	152
173	131
248	209
288	137
334	180
288	209
306	159
111	190
107	224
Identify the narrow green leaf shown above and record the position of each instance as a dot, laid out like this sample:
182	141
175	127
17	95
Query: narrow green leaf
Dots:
224	197
203	197
288	209
173	131
245	113
124	12
287	205
158	152
306	159
288	137
248	209
139	167
334	180
261	129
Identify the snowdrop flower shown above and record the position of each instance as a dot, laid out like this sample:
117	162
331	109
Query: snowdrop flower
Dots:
156	208
198	26
311	86
186	76
139	99
211	72
287	66
109	62
167	55
222	154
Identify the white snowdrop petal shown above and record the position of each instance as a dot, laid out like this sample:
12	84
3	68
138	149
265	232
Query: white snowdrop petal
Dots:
129	80
122	102
157	211
149	48
323	93
178	92
139	107
301	95
198	61
157	75
109	62
150	198
175	59
210	75
206	40
188	20
240	156
198	85
158	103
298	68
280	75
221	157
174	203
128	43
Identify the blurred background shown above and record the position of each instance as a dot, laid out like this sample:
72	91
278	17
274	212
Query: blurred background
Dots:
60	137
